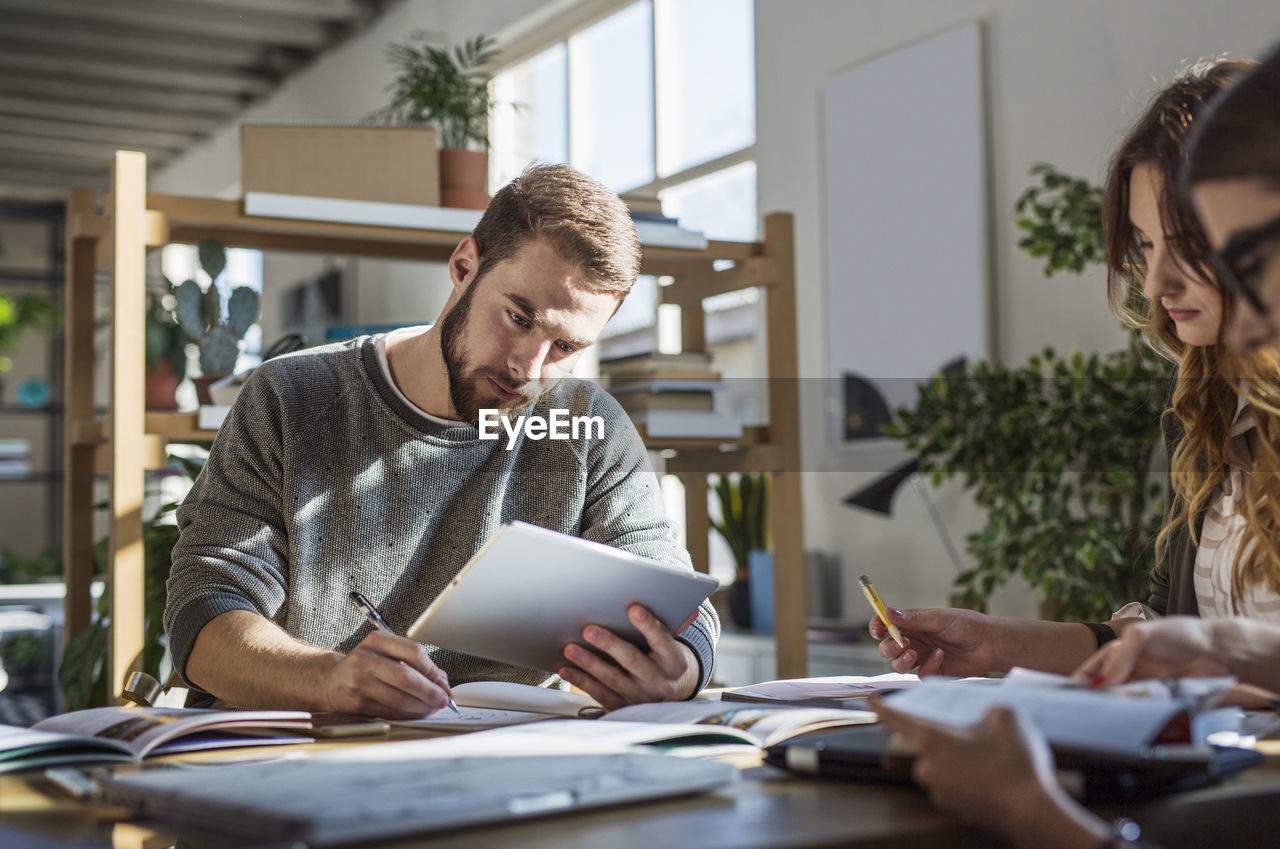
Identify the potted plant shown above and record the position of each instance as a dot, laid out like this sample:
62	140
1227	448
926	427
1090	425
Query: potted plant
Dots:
17	313
217	328
1058	450
451	91
81	672
166	350
744	524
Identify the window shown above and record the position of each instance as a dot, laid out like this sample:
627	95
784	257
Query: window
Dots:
611	114
705	79
531	121
656	99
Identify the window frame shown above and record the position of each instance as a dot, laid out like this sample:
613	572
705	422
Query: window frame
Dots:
559	31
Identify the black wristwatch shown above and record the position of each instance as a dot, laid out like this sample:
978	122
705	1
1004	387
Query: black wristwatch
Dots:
1101	633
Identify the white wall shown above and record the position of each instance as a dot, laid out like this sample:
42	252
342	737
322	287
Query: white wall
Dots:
1064	79
346	84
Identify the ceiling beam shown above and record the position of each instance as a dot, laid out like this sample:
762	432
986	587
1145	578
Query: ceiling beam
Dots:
125	137
108	116
59	37
212	81
44	161
80	91
183	17
330	10
53	177
89	150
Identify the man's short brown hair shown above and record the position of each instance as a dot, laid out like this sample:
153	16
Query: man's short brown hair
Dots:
586	225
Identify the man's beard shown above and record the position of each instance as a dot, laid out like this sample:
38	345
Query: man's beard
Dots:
466	398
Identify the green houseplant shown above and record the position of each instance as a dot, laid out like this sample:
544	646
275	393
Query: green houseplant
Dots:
744	525
166	350
35	310
1058	450
82	672
217	328
18	312
449	89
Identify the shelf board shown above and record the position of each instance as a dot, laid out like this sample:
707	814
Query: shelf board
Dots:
750	436
32	477
182	427
178	427
10	277
18	410
191	219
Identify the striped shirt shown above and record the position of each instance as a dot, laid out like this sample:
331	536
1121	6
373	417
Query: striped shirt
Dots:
1223	534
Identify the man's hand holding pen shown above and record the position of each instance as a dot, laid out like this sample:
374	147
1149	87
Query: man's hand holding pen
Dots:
386	676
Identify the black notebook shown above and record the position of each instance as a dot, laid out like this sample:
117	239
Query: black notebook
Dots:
864	753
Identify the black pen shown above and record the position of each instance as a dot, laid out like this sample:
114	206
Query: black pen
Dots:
375	619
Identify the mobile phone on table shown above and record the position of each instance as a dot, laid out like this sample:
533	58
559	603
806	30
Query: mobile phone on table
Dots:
327	725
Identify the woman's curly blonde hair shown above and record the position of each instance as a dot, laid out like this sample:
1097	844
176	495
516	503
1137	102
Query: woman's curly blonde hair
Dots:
1209	379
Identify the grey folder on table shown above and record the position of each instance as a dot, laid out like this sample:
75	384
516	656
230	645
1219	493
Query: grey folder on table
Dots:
331	803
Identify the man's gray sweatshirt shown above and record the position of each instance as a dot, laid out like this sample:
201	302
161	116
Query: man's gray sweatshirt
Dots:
323	480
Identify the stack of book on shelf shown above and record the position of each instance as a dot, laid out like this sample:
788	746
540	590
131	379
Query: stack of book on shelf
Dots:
657	229
15	458
653	228
670	395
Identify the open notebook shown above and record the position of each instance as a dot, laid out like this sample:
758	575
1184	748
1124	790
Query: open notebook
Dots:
330	803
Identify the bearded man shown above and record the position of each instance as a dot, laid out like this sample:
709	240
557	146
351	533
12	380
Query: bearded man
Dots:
360	466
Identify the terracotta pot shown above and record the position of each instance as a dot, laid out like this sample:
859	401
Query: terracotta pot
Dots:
202	388
464	178
161	385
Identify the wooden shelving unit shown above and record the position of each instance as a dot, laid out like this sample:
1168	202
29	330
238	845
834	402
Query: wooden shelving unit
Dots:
127	440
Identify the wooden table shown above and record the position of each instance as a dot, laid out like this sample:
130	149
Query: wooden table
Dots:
766	810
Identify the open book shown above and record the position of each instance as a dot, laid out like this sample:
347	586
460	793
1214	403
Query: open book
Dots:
123	734
841	691
694	728
490	704
670	725
1137	739
1123	719
756	725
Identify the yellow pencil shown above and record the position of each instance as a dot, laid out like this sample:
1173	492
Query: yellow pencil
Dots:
869	590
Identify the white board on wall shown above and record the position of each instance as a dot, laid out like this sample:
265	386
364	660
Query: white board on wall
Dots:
905	217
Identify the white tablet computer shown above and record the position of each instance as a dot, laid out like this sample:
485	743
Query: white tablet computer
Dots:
530	591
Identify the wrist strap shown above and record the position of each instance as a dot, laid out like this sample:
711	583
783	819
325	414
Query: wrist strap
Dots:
1101	633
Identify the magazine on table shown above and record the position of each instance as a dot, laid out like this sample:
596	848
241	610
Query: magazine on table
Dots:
125	734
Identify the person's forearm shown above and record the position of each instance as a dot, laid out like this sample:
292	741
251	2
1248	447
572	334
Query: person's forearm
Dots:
687	686
1050	819
1251	650
1036	644
248	661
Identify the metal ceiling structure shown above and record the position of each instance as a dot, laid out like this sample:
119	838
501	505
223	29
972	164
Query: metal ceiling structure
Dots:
80	79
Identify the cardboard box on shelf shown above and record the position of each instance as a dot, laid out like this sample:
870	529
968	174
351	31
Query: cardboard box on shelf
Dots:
351	161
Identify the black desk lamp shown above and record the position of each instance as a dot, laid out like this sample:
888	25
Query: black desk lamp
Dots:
863	403
877	496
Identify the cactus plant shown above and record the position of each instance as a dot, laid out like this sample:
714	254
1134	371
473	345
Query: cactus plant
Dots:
202	318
